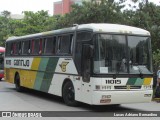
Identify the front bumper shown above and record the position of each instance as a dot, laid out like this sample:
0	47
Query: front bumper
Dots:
121	97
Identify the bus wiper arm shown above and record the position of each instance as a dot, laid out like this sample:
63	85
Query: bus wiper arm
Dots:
140	71
117	71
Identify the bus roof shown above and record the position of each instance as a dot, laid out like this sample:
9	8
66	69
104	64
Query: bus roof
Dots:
95	27
115	28
2	49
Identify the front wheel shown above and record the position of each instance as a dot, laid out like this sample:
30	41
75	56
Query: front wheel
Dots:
69	94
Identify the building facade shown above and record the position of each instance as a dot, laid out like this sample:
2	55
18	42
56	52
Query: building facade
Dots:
64	6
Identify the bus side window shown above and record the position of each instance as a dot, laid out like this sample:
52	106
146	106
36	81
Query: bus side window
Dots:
12	49
26	47
65	44
35	45
50	45
16	48
9	48
81	36
19	48
41	46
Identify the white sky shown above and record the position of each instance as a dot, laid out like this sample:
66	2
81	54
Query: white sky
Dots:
17	6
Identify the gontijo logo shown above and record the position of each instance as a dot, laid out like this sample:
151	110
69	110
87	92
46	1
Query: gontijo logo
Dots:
63	66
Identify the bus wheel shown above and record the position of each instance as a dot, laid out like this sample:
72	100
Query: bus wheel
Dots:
68	94
17	83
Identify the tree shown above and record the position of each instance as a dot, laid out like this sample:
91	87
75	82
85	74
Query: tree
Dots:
5	14
32	23
92	12
4	26
36	22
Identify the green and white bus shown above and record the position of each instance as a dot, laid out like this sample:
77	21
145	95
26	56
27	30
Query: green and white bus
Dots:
97	64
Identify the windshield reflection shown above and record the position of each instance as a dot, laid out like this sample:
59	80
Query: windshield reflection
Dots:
114	54
139	54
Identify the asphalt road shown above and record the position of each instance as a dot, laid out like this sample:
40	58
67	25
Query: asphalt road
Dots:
30	100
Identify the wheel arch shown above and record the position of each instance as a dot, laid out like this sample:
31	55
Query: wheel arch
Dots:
16	73
64	82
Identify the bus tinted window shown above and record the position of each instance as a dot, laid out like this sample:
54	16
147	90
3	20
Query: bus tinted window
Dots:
25	47
35	47
50	45
17	48
84	36
8	46
64	44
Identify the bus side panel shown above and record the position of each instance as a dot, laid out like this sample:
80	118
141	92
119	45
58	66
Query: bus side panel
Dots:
10	74
27	78
65	70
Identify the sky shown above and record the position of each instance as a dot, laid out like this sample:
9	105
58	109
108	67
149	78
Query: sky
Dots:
17	6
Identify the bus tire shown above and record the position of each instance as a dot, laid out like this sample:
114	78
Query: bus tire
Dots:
0	79
17	83
68	94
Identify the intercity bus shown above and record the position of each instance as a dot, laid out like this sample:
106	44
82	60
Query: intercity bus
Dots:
2	51
97	64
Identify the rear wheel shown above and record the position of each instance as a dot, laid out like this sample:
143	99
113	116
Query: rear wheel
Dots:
68	94
0	79
17	83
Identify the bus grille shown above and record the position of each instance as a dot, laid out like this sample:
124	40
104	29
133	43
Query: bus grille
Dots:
127	87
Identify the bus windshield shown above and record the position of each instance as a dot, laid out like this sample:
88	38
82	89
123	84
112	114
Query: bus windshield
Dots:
122	54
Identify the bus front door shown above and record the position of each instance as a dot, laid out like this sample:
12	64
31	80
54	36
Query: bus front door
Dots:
86	64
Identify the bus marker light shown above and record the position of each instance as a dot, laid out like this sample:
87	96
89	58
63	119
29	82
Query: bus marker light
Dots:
77	78
105	100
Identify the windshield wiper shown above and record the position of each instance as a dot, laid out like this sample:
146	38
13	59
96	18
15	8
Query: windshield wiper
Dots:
140	71
117	70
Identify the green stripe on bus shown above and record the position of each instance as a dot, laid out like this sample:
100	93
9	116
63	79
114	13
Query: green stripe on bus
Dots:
40	73
52	63
46	81
38	81
48	75
43	64
131	81
139	81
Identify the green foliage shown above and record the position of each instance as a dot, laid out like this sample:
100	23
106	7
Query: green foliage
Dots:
31	23
35	22
92	12
156	59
